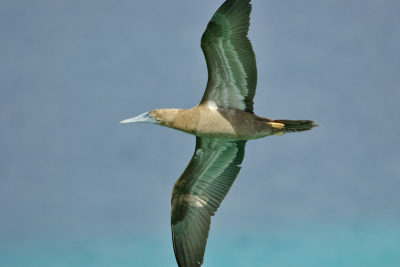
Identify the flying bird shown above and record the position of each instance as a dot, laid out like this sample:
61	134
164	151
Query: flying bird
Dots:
223	122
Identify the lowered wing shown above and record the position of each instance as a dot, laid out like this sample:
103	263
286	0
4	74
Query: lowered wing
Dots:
198	193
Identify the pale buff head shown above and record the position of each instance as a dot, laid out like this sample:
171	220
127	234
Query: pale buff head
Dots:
162	117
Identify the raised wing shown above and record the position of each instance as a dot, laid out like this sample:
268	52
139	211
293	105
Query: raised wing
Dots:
198	193
231	63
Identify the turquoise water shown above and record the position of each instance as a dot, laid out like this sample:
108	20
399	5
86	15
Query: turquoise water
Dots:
344	245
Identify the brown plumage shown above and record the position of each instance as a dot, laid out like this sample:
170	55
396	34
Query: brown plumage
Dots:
222	123
209	122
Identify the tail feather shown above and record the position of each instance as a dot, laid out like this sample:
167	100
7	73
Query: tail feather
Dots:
292	126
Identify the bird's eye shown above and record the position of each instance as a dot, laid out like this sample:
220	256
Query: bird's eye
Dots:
147	115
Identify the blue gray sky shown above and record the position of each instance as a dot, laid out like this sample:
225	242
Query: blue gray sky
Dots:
70	71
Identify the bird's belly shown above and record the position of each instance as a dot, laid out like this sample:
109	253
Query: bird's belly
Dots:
225	129
228	135
224	124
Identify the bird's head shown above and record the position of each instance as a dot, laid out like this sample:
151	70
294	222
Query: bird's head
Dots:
158	116
146	117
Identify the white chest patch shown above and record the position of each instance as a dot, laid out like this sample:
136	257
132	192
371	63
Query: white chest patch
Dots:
212	105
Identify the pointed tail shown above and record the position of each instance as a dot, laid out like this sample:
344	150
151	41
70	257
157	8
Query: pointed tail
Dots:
292	126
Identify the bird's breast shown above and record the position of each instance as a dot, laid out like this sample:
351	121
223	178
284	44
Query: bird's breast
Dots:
222	123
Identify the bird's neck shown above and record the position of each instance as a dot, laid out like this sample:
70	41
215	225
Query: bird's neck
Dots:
180	119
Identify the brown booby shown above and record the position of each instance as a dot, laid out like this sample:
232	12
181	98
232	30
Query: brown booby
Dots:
222	123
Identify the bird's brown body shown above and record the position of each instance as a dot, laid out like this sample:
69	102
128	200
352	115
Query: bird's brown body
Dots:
208	121
222	123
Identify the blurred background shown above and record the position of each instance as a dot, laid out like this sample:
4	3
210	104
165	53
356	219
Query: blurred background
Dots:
79	189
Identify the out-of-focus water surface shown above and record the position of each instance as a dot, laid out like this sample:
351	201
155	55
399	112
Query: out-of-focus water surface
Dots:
349	245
